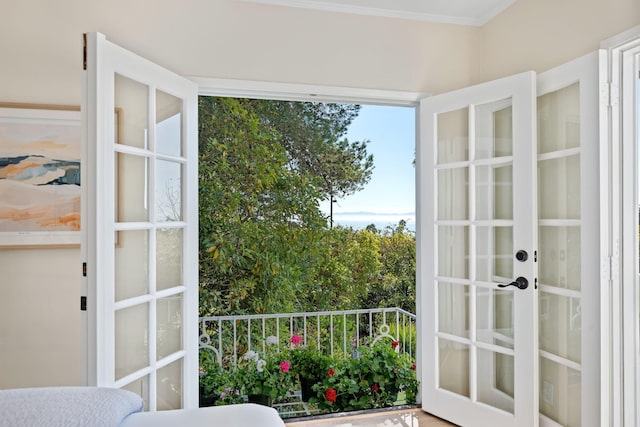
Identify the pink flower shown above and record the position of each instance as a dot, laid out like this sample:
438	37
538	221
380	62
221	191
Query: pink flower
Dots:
285	366
296	339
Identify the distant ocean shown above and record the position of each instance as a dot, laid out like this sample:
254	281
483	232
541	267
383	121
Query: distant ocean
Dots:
360	220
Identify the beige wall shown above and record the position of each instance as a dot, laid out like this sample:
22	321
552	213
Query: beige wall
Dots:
541	34
39	317
40	47
230	39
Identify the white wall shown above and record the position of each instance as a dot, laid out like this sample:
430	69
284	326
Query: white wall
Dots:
40	47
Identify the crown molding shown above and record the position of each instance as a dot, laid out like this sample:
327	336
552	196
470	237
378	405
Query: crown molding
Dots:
478	19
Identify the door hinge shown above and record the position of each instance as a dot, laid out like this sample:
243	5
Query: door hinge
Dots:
83	303
607	267
84	269
610	94
84	51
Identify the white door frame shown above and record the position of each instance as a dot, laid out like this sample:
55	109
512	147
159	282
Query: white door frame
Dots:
622	242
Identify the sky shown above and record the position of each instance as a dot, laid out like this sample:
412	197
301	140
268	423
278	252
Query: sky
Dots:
390	194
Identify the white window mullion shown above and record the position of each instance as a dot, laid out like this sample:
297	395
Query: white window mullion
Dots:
151	197
471	188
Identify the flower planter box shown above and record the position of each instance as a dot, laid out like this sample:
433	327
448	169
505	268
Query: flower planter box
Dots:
260	399
306	387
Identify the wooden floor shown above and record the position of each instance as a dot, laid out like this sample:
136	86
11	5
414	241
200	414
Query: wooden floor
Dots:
400	418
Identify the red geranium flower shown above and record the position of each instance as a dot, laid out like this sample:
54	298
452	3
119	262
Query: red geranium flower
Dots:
331	372
413	367
395	344
296	339
331	394
375	387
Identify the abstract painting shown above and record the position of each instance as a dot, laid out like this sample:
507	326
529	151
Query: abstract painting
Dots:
39	176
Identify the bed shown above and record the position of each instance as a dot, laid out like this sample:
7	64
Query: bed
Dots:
108	407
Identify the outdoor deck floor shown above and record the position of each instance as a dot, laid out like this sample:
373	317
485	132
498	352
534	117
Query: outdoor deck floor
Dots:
399	418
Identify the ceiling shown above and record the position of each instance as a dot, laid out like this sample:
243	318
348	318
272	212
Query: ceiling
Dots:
465	12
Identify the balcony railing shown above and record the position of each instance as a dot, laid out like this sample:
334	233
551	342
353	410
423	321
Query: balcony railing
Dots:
225	339
334	333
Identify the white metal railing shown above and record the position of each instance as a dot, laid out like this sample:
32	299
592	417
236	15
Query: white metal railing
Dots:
335	333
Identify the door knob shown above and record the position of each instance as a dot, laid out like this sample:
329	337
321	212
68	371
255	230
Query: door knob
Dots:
522	255
520	283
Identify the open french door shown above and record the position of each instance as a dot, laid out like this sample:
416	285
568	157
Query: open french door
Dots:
140	223
478	254
508	181
572	290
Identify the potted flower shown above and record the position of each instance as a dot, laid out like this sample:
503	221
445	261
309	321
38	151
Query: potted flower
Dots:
309	364
374	379
218	387
264	380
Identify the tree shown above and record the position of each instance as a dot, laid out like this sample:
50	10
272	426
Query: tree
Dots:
396	282
342	271
313	133
264	243
258	217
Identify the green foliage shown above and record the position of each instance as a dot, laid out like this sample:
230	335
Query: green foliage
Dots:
312	133
371	380
264	243
406	336
308	362
219	387
269	376
259	218
343	271
396	277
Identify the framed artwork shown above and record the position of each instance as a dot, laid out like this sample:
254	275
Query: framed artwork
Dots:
39	175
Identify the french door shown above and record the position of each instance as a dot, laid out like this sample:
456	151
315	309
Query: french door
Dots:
509	267
478	253
140	226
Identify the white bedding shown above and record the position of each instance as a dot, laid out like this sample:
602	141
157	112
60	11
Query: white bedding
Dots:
108	407
242	415
66	407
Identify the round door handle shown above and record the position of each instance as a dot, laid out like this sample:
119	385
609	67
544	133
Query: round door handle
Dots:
522	255
520	283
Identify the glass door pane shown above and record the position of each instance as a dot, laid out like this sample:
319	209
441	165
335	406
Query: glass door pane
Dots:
475	189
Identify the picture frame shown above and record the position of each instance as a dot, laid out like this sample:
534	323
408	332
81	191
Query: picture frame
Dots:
39	175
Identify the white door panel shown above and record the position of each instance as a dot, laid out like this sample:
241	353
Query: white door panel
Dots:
568	119
140	226
477	210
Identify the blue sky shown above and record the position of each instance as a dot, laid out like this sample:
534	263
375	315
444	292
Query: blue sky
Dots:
391	190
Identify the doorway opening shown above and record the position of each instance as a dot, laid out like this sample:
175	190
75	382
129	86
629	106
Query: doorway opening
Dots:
277	179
